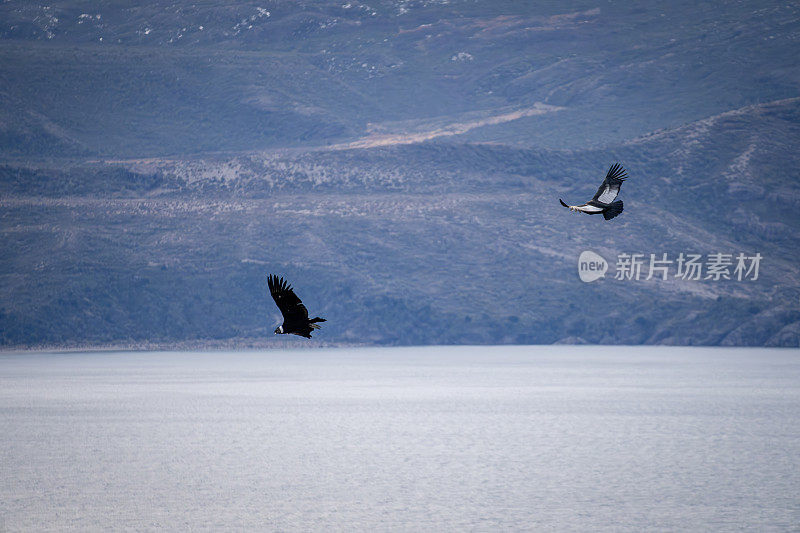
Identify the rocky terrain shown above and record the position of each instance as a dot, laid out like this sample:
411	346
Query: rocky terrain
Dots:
401	164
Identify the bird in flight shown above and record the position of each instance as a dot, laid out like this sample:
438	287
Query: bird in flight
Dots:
295	314
603	200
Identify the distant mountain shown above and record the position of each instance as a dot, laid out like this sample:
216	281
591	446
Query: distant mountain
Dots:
132	79
400	162
433	242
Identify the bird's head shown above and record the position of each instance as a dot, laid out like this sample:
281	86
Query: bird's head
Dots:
278	330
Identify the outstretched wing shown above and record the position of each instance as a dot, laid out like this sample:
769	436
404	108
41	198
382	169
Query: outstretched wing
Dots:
287	301
609	189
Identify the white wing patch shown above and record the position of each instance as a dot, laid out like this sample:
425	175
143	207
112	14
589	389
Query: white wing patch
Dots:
608	195
589	208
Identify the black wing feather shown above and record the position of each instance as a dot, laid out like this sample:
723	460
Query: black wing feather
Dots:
609	189
287	301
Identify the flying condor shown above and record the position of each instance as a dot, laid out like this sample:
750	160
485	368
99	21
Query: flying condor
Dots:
295	314
604	199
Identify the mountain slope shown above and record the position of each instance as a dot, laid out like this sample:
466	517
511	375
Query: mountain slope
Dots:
437	242
127	79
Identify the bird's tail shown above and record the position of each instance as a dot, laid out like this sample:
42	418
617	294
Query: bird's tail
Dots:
614	209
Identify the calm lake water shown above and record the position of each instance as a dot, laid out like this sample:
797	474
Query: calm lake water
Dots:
409	439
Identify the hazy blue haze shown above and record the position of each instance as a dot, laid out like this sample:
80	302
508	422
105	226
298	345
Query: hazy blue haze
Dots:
455	438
